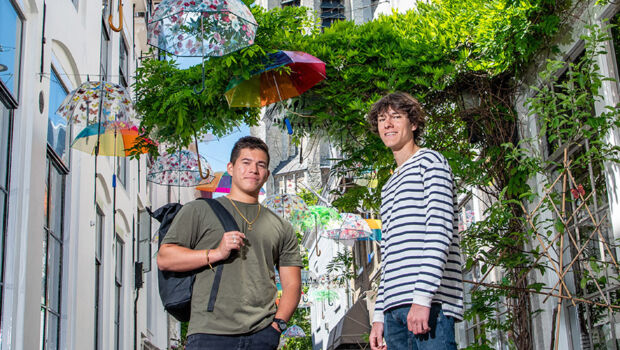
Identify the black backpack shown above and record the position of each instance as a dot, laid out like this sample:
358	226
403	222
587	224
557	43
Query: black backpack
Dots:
175	288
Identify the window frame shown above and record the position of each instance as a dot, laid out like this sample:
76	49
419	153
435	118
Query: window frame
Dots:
53	163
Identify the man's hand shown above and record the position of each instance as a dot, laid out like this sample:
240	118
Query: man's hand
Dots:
417	319
376	337
230	240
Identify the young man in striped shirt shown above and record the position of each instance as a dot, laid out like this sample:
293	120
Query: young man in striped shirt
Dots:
421	289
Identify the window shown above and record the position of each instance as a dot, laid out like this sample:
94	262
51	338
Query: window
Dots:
121	170
331	11
123	64
98	278
57	129
118	291
144	240
10	47
105	53
290	3
52	252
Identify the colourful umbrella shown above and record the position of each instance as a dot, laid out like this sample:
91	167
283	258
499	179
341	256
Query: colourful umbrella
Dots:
178	169
285	205
115	138
313	218
375	227
220	183
268	86
294	331
348	227
82	104
201	28
325	295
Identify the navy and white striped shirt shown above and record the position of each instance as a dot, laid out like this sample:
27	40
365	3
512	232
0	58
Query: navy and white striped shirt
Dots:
420	251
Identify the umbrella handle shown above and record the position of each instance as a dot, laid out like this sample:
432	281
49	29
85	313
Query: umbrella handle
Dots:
120	18
204	177
203	80
316	242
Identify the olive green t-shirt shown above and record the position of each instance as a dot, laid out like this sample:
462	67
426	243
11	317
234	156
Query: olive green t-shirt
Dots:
246	298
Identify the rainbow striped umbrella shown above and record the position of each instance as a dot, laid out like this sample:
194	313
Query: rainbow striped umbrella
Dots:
221	183
269	86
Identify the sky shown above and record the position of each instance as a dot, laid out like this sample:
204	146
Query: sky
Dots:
217	152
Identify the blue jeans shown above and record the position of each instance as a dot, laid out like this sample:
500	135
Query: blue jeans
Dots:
265	339
398	337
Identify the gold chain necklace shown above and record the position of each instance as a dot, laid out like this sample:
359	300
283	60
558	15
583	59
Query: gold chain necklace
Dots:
244	218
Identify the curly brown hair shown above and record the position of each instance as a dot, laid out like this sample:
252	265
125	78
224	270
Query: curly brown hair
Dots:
250	142
400	102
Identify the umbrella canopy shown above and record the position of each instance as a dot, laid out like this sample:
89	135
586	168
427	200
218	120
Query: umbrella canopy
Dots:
294	331
201	28
178	169
375	227
82	105
313	218
115	138
285	204
220	183
325	295
348	227
269	86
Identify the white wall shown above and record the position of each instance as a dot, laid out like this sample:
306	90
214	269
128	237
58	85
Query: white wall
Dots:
72	47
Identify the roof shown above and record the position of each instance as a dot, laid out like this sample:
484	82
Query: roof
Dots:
351	328
290	165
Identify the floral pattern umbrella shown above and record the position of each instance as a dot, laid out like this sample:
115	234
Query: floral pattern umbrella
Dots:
313	218
285	205
178	169
81	106
201	28
115	138
348	227
294	331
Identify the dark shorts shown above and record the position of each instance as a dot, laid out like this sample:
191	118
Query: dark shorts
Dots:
265	339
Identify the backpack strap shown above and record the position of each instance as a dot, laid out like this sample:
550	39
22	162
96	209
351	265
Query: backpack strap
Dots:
229	224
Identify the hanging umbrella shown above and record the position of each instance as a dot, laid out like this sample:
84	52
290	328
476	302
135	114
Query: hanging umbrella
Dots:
201	28
375	227
220	183
348	227
325	295
313	218
115	138
96	102
268	86
294	331
304	301
178	169
284	205
81	106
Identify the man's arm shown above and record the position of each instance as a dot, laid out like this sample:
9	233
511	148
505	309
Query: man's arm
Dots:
173	257
290	278
438	200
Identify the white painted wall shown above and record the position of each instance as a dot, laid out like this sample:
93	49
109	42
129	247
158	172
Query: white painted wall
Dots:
72	47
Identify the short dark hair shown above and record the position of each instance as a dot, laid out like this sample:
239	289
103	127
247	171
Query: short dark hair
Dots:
250	142
399	102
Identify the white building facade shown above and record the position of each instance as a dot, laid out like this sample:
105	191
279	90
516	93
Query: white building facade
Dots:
68	260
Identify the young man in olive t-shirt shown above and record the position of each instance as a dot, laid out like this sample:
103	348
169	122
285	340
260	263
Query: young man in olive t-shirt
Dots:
245	315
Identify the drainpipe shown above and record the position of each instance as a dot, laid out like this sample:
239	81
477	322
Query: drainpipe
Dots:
43	43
